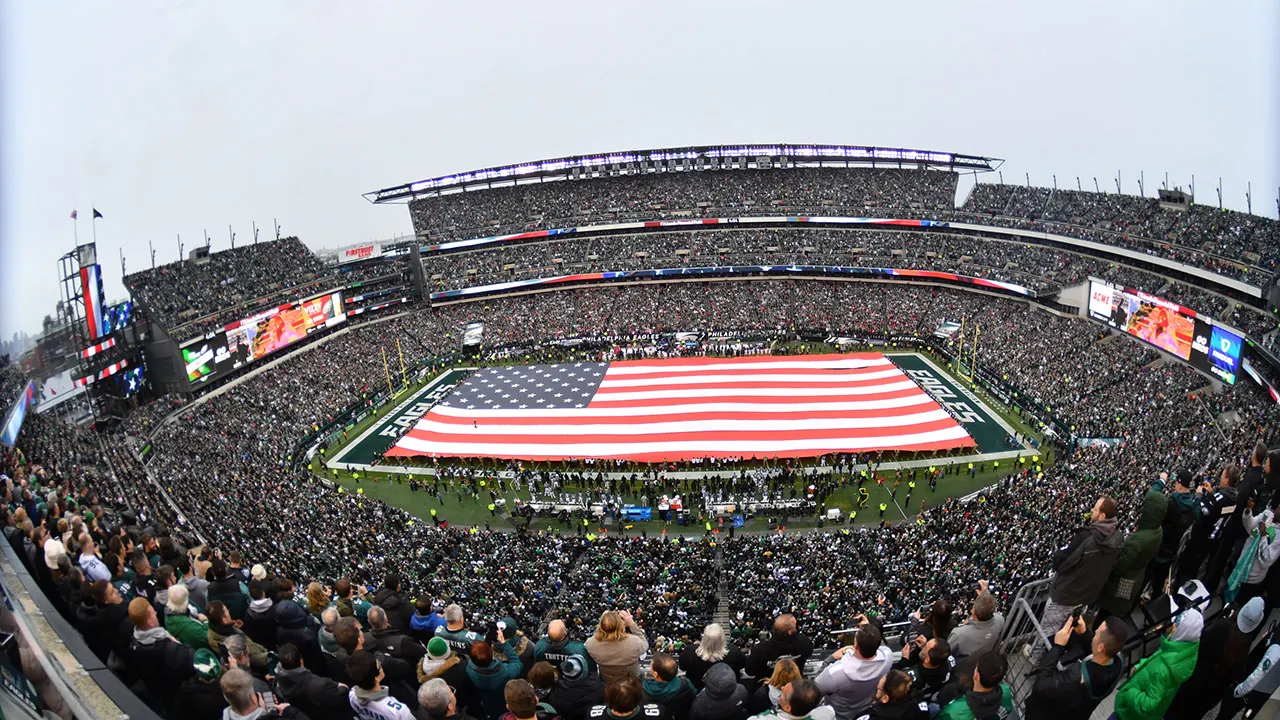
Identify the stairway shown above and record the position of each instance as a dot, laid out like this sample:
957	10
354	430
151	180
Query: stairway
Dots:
724	592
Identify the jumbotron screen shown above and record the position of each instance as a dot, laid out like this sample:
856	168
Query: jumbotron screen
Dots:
256	337
1168	326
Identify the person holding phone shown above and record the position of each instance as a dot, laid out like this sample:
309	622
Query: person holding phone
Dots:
244	703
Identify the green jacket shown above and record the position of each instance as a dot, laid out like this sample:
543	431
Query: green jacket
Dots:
962	708
1121	592
1156	680
187	630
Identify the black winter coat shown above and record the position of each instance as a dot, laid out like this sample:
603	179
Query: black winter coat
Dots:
397	644
795	646
722	698
163	667
1059	693
199	700
399	609
695	667
319	697
573	700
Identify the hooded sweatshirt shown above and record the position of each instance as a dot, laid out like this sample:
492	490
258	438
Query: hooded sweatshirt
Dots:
557	651
850	682
1268	545
984	705
722	698
1084	564
1121	592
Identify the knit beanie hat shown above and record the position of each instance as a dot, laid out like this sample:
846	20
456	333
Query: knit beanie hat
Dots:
437	648
206	665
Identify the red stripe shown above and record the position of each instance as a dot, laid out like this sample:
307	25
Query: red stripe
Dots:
766	399
667	457
833	386
819	372
530	417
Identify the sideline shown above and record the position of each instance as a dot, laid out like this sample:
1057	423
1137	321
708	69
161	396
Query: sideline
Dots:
337	464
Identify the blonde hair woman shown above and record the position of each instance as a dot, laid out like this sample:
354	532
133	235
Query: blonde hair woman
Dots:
784	671
617	646
714	647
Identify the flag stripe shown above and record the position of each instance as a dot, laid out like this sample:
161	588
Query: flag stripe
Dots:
781	446
680	408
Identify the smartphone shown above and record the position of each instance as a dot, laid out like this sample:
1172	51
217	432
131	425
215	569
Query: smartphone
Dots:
268	701
1077	611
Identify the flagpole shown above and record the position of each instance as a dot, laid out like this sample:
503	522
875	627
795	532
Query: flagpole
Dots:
93	223
75	228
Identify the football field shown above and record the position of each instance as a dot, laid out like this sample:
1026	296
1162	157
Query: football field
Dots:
352	464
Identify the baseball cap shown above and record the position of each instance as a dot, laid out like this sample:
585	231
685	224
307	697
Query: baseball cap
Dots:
258	572
53	549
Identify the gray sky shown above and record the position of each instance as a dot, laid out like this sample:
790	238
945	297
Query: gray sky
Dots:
180	117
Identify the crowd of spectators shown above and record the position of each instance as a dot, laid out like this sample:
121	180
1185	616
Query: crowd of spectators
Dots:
301	545
228	285
804	191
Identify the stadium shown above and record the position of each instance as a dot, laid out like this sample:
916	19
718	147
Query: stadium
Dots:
803	392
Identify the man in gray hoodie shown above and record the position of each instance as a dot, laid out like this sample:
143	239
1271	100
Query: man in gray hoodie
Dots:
981	631
850	682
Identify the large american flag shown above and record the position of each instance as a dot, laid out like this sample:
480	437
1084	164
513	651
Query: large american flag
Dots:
674	409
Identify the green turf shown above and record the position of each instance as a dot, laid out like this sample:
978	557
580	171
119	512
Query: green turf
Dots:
394	489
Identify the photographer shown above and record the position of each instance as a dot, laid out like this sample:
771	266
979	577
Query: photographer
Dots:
489	675
981	631
1071	690
929	663
850	682
786	642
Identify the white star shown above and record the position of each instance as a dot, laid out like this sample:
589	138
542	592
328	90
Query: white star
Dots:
581	405
523	407
559	395
471	407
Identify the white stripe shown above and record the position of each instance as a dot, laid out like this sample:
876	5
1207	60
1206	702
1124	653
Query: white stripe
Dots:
780	379
736	447
757	392
921	398
848	364
680	426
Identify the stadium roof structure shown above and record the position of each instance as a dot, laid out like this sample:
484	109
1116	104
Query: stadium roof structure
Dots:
685	159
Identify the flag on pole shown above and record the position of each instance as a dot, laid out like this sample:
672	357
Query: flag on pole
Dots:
73	214
96	214
660	410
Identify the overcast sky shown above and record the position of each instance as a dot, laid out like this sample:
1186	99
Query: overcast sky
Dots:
176	118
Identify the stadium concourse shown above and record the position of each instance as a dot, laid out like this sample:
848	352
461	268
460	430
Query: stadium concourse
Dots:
191	542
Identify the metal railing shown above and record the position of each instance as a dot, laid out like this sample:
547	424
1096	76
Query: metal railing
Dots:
1022	629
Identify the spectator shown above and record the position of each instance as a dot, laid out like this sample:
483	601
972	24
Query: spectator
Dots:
397	607
1156	679
1081	567
522	702
89	562
391	641
426	618
989	697
455	632
666	687
260	619
556	647
713	648
1261	550
1178	517
1214	509
1071	690
1233	534
293	625
1120	594
786	642
850	682
571	689
200	696
318	697
225	588
617	646
162	662
1221	662
895	700
800	700
350	600
980	632
221	627
436	701
929	663
243	703
442	662
368	698
489	675
623	700
766	698
328	621
190	631
197	587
